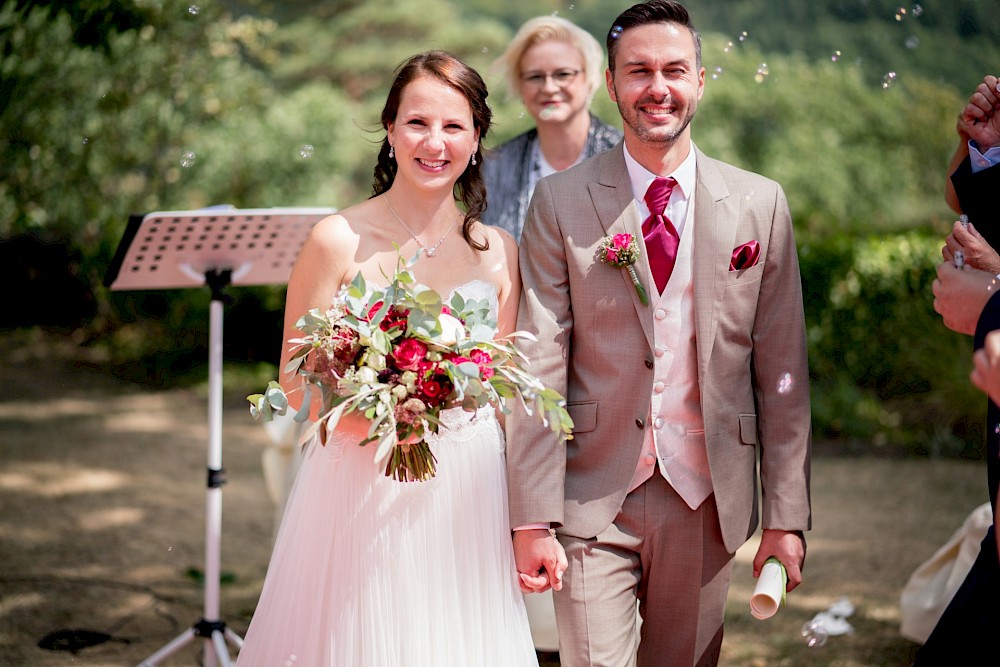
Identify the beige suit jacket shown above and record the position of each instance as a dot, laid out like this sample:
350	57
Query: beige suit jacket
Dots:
595	346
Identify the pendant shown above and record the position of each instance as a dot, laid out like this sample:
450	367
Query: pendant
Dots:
430	252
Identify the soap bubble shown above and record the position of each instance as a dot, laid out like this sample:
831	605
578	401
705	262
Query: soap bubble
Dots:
836	56
717	73
194	10
889	80
785	383
762	72
912	42
815	633
306	151
187	159
616	32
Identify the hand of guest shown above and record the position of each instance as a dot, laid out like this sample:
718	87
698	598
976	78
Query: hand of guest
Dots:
788	546
960	294
979	119
540	560
986	366
976	251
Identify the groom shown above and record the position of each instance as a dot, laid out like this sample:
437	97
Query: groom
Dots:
672	401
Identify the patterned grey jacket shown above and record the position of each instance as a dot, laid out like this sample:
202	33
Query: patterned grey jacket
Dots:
508	169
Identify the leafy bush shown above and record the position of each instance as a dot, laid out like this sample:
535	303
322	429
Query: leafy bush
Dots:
884	369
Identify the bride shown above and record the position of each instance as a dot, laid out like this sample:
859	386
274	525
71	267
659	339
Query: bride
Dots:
367	570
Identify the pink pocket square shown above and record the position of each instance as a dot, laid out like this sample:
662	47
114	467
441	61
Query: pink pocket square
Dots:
745	256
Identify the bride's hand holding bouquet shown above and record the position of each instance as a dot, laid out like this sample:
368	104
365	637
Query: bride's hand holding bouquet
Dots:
398	356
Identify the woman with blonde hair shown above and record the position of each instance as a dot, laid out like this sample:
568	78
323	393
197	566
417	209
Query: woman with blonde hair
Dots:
554	67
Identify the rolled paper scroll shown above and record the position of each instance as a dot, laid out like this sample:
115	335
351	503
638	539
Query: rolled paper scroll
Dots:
769	592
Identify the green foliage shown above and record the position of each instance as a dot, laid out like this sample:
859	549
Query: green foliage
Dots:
120	107
855	158
884	368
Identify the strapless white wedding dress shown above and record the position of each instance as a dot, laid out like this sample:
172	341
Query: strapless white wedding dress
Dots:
371	572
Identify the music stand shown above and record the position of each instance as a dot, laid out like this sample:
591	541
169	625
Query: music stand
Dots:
216	248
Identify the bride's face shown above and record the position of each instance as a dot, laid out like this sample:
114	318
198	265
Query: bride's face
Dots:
433	134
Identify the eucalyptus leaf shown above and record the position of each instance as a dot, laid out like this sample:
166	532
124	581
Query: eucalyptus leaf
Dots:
468	369
385	445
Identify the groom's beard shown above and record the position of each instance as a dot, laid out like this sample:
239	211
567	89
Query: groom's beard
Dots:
654	135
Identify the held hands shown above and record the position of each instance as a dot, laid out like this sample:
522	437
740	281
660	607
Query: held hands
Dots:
960	294
976	251
540	560
979	120
788	546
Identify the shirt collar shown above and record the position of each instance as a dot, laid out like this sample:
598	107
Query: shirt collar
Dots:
642	177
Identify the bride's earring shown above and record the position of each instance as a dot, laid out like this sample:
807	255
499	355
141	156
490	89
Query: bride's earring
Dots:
473	158
392	151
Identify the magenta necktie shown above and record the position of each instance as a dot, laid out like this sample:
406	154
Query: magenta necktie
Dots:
660	235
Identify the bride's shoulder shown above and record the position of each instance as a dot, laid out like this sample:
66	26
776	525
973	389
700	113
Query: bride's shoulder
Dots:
341	229
498	239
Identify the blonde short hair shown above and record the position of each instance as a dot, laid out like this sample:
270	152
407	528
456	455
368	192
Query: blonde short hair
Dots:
548	28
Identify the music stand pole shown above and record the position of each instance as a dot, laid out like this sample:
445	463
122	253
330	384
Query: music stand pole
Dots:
211	628
192	248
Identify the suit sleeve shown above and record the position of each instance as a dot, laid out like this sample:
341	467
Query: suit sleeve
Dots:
536	457
781	382
975	196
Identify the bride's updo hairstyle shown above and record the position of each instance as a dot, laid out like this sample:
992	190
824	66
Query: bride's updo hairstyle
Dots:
470	188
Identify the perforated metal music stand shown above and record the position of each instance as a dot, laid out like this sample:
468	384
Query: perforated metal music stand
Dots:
216	248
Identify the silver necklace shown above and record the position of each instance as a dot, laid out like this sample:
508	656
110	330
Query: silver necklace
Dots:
430	251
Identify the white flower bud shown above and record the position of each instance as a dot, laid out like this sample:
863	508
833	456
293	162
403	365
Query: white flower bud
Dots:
452	329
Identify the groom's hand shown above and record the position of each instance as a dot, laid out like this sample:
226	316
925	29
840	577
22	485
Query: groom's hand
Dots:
788	546
540	560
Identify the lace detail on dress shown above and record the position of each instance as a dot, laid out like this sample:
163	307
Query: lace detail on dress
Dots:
478	289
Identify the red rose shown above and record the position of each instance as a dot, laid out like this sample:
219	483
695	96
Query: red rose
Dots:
432	391
409	354
621	241
395	318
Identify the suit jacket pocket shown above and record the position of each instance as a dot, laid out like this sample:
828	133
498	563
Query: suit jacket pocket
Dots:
748	429
584	416
751	275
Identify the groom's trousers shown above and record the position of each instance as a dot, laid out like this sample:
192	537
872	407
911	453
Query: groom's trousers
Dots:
667	556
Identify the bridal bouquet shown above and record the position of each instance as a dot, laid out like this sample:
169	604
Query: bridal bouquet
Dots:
400	356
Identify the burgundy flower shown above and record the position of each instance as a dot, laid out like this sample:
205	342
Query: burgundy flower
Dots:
435	389
395	318
432	391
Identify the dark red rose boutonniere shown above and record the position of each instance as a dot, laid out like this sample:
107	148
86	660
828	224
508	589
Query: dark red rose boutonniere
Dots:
622	251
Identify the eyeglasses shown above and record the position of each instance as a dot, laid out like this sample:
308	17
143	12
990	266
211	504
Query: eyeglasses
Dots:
561	77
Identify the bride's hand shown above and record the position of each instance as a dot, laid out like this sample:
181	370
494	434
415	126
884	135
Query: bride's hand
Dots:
540	560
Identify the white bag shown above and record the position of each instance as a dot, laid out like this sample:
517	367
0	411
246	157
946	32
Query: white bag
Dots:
932	585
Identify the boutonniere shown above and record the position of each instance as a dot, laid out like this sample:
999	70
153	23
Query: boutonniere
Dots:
622	251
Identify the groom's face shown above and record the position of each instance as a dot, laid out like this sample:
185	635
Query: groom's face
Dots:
657	82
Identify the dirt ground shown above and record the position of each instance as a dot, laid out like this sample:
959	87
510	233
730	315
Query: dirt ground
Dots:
102	528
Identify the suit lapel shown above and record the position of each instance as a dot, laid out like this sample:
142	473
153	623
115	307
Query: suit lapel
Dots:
715	223
618	214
